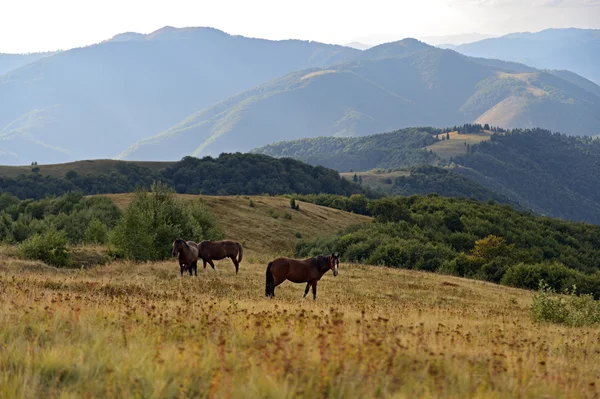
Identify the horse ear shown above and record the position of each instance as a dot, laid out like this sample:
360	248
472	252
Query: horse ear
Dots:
185	243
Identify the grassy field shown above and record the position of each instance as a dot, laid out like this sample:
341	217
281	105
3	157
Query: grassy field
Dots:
82	167
456	145
378	181
139	330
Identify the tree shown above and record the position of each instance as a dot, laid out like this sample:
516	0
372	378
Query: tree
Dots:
447	136
360	180
355	178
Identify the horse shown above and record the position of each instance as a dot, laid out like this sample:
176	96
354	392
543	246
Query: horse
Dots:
187	254
217	250
307	271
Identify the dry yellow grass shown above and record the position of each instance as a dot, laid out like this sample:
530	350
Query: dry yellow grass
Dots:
139	330
456	145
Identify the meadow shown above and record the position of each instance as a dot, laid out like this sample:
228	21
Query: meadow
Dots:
457	145
128	329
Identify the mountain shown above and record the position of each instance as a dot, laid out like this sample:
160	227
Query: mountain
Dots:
576	50
405	83
10	62
93	102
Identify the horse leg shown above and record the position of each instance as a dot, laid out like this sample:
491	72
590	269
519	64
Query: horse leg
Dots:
191	268
204	261
195	264
306	290
314	290
236	264
181	269
210	262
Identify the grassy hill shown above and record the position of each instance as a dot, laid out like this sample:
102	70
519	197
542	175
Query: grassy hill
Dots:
94	167
373	331
406	83
267	225
11	62
93	102
576	50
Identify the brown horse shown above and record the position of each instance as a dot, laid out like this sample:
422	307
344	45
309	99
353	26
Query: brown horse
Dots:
187	254
300	271
217	250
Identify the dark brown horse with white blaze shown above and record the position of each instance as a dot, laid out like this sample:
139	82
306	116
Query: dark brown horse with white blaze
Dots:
187	254
307	271
217	250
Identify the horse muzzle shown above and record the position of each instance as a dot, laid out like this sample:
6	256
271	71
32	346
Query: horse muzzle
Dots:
335	273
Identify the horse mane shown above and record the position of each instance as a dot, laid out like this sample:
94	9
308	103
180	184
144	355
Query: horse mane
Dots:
320	260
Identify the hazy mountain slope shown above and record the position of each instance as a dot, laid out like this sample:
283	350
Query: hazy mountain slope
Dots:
300	105
384	88
97	100
10	62
577	50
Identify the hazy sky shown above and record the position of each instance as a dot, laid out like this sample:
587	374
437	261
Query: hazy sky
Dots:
36	25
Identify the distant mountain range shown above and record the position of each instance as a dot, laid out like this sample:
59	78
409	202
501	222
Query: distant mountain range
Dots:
577	50
93	102
176	92
405	83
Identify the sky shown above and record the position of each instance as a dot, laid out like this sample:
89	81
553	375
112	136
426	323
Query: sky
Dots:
44	25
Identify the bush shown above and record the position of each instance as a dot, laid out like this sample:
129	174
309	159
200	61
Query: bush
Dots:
152	221
96	232
569	309
49	247
251	203
287	216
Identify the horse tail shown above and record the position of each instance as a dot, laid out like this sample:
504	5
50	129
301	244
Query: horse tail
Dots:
240	252
270	280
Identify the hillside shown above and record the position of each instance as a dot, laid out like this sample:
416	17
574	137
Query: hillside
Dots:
229	174
263	227
10	62
409	333
406	83
93	102
552	174
576	50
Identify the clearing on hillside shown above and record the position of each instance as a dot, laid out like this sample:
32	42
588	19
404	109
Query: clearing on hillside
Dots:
376	180
457	145
96	166
263	226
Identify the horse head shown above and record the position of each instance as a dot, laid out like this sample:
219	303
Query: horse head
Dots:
177	246
334	262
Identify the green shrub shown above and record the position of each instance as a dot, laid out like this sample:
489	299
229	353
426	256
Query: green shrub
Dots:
49	247
273	214
96	232
298	234
569	309
153	220
287	216
293	203
251	204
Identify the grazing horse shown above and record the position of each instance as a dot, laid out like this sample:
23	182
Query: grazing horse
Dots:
217	250
187	254
300	271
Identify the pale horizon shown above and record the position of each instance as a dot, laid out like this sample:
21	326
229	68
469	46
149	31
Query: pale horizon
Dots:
38	26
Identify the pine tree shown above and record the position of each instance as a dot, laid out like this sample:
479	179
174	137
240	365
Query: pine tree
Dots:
447	136
355	178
